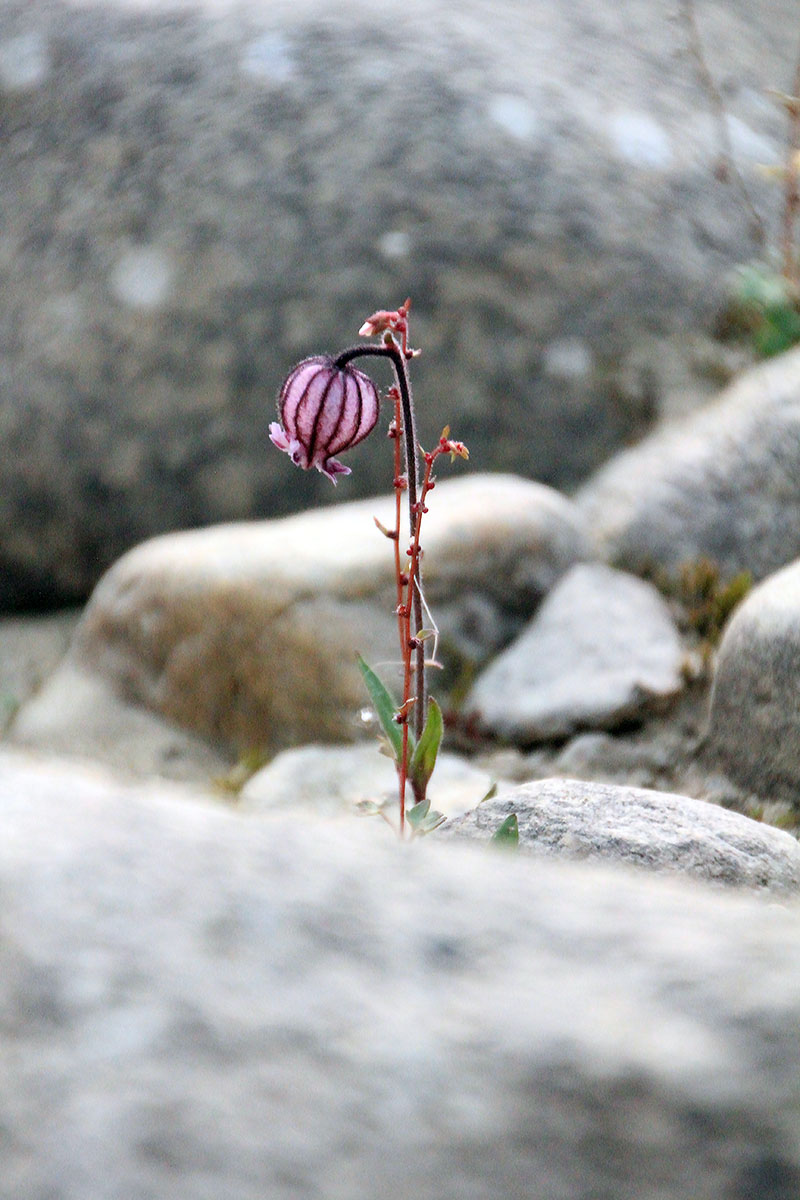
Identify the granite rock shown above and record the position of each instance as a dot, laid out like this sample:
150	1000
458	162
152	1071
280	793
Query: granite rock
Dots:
754	728
332	780
602	650
573	819
197	1004
723	484
246	635
196	195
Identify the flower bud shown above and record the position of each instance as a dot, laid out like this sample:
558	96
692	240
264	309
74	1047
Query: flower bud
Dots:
324	410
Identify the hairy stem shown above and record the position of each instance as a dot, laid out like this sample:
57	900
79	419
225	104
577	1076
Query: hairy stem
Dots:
392	351
396	433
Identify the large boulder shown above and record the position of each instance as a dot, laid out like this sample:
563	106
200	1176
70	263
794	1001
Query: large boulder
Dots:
195	1004
197	195
722	484
246	635
754	730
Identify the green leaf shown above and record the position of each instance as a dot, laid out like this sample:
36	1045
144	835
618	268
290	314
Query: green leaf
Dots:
508	832
416	815
780	331
368	808
423	760
433	820
385	709
424	819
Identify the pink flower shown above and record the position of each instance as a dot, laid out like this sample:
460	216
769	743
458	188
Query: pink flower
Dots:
324	410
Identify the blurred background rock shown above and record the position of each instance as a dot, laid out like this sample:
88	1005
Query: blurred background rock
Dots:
195	195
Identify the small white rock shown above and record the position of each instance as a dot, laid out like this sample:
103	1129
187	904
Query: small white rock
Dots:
640	139
567	358
514	115
269	59
396	243
24	62
142	278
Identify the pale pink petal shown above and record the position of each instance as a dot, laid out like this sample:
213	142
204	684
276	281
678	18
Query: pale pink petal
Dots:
332	467
278	437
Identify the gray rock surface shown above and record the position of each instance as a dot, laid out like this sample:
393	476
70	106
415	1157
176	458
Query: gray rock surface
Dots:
198	1005
246	635
331	780
601	650
573	819
723	484
31	648
754	730
196	195
611	758
79	713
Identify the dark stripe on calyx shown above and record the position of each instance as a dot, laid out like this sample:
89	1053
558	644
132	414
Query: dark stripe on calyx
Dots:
332	447
312	443
303	396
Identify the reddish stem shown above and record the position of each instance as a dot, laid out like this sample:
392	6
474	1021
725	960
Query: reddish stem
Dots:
409	582
396	432
390	349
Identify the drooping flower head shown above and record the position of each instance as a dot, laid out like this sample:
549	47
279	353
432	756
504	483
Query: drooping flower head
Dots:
324	409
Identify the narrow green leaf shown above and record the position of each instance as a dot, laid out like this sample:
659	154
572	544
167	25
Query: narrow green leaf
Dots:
385	709
418	813
423	760
508	832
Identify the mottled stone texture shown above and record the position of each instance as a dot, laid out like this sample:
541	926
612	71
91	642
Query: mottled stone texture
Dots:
574	819
724	484
755	719
198	1005
247	634
195	196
